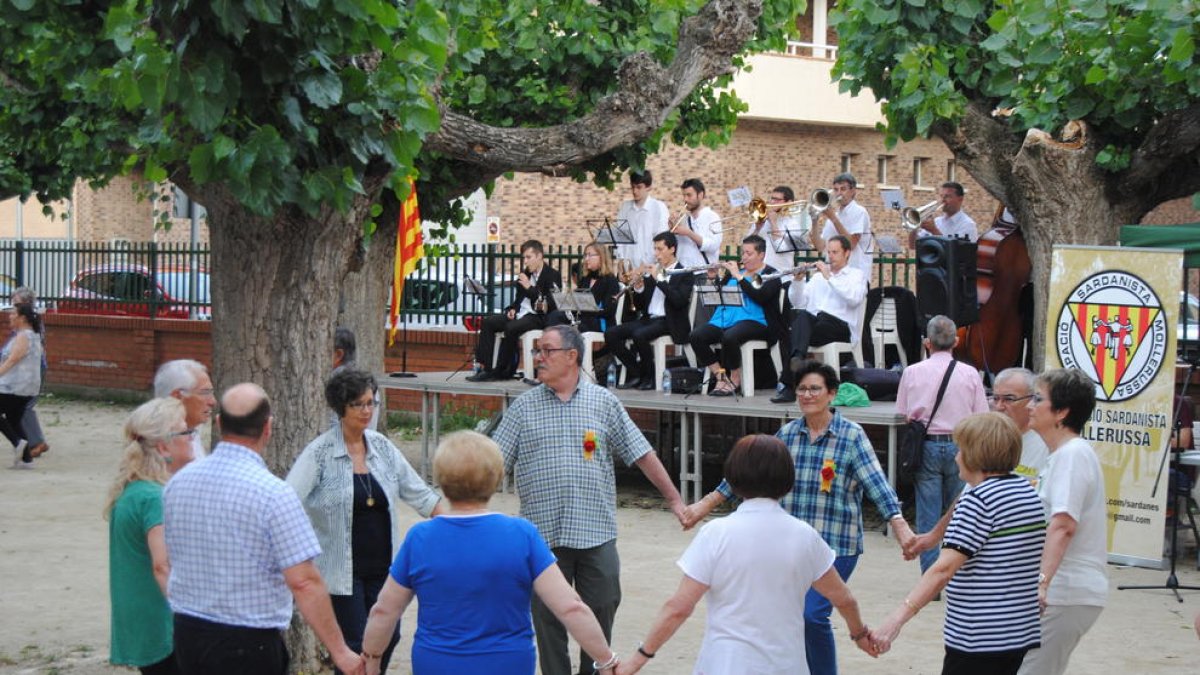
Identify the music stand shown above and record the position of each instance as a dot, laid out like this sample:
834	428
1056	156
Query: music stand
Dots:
475	290
887	245
720	295
611	233
1172	583
575	301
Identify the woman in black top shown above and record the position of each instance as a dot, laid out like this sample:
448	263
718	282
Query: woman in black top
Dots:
595	275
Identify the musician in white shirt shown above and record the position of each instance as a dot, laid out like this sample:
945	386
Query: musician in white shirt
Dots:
645	217
775	227
850	220
698	243
952	222
829	304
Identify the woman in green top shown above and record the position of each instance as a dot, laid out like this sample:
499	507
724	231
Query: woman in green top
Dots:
158	443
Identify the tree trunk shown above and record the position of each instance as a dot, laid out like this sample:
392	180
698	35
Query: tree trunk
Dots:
275	296
364	299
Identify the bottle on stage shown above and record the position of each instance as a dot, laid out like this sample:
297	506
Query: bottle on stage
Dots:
612	374
666	382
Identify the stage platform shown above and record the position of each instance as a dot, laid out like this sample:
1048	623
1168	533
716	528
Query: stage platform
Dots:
689	409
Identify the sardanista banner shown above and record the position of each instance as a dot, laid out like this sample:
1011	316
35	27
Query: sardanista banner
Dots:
1112	313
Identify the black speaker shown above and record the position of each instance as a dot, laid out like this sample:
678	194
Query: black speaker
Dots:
946	280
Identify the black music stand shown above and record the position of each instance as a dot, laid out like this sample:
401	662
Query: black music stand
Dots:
575	302
713	296
792	240
1172	583
475	291
610	232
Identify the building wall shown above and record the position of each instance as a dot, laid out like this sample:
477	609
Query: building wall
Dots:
122	210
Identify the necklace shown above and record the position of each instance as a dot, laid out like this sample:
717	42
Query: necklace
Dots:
366	483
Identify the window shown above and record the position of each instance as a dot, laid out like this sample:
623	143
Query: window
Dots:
882	168
847	162
919	171
951	170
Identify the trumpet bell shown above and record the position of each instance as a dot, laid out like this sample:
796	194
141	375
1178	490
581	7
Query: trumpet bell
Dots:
912	218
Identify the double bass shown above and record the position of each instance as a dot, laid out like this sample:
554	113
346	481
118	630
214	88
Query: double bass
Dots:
1005	296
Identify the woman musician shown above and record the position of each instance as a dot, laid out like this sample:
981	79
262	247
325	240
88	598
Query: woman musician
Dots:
595	275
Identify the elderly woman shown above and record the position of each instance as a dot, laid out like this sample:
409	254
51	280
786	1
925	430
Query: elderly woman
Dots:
473	573
992	549
754	618
1073	584
833	466
157	444
20	379
350	479
596	276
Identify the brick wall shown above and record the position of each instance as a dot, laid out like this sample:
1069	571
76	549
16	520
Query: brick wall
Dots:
117	212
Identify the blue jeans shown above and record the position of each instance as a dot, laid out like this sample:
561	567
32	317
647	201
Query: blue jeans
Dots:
937	486
819	648
351	612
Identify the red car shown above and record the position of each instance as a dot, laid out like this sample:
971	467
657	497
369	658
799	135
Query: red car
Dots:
130	290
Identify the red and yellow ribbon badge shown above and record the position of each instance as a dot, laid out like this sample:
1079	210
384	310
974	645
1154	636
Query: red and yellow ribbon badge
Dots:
589	445
827	475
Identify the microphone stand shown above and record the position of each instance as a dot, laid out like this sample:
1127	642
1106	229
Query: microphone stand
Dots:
1172	583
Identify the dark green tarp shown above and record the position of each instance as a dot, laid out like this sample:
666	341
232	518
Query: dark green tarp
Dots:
1186	237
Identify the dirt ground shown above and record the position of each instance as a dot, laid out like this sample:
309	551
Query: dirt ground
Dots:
54	585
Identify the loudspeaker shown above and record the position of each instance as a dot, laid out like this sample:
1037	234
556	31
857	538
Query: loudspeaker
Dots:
946	280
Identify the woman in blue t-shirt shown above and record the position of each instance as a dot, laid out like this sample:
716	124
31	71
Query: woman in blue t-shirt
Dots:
473	573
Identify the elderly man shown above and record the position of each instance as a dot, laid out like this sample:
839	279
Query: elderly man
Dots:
1010	395
560	439
231	587
937	480
188	381
826	309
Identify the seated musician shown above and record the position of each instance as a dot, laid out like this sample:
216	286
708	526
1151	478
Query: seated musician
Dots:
527	312
827	309
662	309
757	318
595	275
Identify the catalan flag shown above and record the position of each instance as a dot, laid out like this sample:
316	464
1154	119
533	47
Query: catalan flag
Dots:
410	247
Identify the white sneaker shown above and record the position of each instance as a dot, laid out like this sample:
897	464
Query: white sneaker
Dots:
19	452
22	465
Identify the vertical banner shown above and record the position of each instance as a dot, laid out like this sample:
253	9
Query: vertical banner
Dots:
1112	313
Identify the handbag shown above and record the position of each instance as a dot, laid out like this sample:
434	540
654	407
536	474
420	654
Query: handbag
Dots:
913	446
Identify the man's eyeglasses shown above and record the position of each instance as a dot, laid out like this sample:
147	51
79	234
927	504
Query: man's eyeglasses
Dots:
1009	399
186	432
361	405
546	351
809	391
200	392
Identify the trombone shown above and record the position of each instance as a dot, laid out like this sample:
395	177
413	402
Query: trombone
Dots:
757	212
912	218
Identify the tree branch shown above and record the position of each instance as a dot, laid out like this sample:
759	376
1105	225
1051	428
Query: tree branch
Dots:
648	93
1165	165
984	145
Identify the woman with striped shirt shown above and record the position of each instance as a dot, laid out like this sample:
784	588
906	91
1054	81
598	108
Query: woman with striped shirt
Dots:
989	559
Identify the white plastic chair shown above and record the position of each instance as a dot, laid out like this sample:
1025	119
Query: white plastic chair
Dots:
832	353
660	346
750	346
884	332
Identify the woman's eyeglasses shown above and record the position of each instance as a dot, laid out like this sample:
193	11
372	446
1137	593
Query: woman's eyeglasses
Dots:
809	391
186	432
361	405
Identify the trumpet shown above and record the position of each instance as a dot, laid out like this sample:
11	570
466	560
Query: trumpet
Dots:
912	218
806	267
821	199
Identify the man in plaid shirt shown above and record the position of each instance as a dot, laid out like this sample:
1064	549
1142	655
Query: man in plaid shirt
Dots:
835	464
561	439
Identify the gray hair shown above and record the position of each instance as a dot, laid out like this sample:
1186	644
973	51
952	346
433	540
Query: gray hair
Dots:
941	333
343	339
571	339
847	178
1025	376
23	295
178	374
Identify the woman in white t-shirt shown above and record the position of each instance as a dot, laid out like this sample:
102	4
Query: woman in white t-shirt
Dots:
755	566
1073	583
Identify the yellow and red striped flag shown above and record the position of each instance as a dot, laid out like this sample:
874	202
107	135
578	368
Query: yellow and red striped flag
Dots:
410	247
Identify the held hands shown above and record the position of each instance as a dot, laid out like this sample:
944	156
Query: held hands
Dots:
918	544
881	638
682	513
692	514
352	664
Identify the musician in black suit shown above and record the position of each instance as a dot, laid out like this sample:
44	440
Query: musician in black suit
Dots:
757	318
662	309
527	312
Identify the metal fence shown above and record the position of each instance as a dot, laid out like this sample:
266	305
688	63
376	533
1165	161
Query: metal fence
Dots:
172	280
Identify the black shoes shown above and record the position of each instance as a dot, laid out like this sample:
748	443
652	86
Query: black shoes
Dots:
646	384
785	396
630	383
481	376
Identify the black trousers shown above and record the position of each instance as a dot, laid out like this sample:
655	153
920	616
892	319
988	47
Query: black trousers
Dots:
731	340
204	648
351	612
12	409
512	330
993	663
639	360
167	666
809	330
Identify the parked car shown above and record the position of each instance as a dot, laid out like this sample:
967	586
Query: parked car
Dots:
1188	329
131	290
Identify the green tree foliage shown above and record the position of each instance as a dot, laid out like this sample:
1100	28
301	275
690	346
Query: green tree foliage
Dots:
1118	64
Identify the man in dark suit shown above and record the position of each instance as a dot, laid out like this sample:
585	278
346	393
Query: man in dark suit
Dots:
662	308
757	318
527	312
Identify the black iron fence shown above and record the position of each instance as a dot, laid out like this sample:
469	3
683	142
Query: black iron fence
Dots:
166	280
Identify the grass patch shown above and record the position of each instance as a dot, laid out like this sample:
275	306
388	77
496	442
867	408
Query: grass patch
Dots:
406	425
